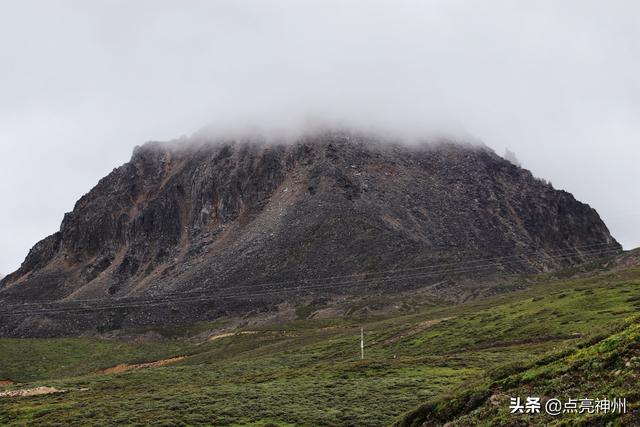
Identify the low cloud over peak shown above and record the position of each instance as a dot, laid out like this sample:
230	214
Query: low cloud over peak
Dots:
82	84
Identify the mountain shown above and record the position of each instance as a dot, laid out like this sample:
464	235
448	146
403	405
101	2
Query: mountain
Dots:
195	229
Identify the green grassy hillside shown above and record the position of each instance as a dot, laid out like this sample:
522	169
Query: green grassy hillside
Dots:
560	337
599	368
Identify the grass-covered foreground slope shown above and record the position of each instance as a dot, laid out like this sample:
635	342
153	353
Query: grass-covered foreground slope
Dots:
599	368
570	338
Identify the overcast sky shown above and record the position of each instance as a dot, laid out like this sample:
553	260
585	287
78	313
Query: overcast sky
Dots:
82	83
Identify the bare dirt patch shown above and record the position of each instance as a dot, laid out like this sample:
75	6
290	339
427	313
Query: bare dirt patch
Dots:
7	382
123	367
28	392
230	334
218	336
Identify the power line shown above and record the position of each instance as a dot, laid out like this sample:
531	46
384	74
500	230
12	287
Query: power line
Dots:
565	254
165	298
108	305
577	250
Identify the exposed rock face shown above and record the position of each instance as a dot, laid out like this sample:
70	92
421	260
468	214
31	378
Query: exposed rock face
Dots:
244	219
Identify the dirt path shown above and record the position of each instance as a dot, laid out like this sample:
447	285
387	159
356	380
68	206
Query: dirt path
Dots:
123	367
230	334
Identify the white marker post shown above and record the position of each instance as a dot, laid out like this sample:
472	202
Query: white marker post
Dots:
362	343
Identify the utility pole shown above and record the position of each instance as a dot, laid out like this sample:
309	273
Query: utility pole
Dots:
362	343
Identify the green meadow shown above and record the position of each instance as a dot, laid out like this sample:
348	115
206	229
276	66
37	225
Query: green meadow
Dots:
435	364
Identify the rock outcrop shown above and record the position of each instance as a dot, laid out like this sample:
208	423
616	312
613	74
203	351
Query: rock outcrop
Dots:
331	213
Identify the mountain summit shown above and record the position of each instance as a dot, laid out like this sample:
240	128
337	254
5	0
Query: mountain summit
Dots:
331	212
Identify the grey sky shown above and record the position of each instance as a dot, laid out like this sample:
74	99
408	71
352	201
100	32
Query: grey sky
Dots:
82	83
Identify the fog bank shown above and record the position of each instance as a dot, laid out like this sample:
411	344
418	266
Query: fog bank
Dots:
82	83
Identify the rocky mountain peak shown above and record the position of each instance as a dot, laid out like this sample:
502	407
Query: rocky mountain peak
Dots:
232	217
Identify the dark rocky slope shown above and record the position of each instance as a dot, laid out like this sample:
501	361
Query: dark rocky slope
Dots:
229	223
